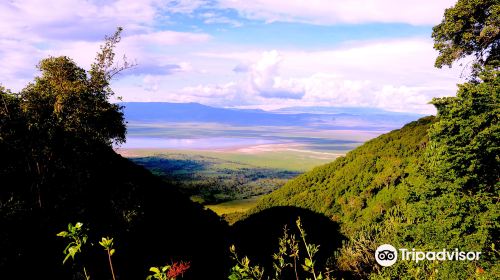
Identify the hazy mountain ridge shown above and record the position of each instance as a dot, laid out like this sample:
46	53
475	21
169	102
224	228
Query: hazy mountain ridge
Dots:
319	117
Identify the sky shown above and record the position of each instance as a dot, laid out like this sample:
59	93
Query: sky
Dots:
265	54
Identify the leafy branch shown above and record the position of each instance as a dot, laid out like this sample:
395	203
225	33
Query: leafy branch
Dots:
77	236
107	244
286	257
243	270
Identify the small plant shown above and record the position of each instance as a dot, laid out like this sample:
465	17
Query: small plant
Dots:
243	270
107	244
288	249
77	236
311	250
287	257
169	272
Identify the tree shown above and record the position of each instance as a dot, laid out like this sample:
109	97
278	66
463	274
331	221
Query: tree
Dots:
471	27
464	141
458	205
68	98
61	118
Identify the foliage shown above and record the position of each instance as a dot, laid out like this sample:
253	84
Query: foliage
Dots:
285	259
359	188
104	69
58	163
311	250
159	273
465	142
107	244
168	272
470	27
243	270
432	184
78	237
215	180
382	193
59	120
288	249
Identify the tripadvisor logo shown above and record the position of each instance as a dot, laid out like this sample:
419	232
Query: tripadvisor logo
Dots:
387	255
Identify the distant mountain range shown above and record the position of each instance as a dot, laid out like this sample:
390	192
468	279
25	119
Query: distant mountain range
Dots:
317	117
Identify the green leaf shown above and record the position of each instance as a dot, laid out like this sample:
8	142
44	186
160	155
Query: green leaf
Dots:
73	250
66	258
155	270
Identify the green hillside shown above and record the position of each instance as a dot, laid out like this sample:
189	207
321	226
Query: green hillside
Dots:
383	192
360	187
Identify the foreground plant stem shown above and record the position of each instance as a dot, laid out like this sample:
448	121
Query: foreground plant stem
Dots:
111	265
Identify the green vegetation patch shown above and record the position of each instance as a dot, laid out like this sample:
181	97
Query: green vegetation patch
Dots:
212	180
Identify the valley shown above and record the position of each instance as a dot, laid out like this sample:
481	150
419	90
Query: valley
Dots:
233	158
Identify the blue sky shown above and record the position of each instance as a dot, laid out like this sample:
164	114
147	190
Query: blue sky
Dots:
247	54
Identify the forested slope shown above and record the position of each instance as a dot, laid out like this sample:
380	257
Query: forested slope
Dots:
364	184
386	191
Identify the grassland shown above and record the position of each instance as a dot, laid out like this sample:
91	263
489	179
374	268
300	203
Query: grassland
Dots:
229	182
292	159
234	206
215	177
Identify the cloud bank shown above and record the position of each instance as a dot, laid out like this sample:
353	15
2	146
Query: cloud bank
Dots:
328	12
205	50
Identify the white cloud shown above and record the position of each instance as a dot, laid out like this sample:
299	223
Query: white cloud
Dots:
184	6
396	75
262	80
146	49
332	90
74	19
34	29
212	17
391	74
165	38
423	12
265	81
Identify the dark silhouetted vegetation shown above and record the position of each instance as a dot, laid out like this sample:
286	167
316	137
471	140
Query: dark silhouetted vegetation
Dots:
258	237
288	262
58	165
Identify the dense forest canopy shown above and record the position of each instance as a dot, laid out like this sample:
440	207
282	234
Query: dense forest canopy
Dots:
471	27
